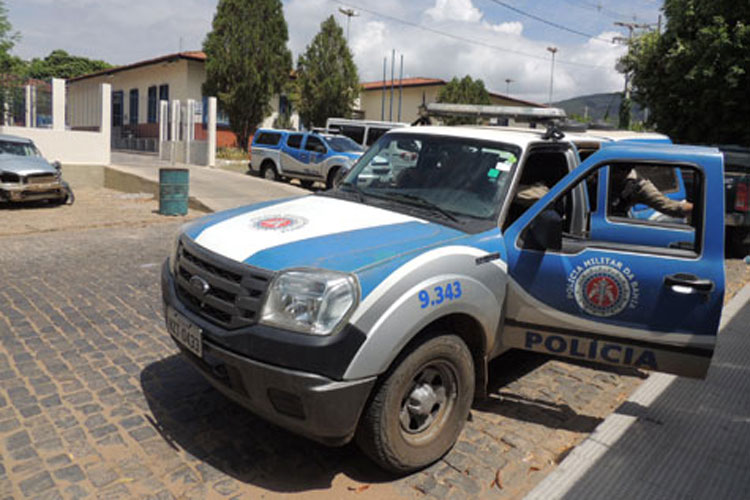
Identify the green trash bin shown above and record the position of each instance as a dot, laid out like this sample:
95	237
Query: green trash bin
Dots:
173	191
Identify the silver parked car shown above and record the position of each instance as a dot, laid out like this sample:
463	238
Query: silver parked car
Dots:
26	176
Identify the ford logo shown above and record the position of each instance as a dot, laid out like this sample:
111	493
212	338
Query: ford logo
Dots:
199	285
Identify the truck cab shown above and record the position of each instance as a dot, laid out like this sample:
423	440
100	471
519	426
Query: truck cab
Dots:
370	311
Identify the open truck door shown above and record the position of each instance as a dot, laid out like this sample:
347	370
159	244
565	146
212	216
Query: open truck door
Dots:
639	301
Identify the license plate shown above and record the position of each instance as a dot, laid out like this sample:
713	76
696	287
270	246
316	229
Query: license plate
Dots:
186	333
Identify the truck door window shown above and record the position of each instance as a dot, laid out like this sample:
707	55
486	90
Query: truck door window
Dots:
541	171
647	231
315	145
294	141
638	193
354	132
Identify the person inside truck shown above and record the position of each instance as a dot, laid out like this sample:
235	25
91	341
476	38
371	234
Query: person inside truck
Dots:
627	188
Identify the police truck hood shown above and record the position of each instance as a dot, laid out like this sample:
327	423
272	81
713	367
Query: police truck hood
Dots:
316	231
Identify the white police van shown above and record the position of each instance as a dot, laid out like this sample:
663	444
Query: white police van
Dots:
372	310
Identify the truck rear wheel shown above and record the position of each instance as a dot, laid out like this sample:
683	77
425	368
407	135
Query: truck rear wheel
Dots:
268	171
419	410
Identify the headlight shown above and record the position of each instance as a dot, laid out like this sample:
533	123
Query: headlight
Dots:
310	301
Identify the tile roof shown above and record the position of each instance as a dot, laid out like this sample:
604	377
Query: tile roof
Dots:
193	55
406	82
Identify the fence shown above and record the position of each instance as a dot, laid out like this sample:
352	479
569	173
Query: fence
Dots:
37	110
177	138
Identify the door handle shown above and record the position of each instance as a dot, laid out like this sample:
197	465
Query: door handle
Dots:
688	283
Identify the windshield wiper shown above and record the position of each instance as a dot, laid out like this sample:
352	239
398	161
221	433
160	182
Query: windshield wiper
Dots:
414	200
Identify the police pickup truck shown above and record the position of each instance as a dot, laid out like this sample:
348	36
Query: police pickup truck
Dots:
371	311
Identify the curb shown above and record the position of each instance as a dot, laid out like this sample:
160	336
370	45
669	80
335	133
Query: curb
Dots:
132	183
557	484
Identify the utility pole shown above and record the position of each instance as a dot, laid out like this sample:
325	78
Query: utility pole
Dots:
349	13
553	51
618	39
508	81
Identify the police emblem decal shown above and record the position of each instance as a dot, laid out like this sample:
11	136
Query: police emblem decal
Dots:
281	223
603	287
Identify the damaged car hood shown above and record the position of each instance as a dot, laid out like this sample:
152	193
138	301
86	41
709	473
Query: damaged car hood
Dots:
25	165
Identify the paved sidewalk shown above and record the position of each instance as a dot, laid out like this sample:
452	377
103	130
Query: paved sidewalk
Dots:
215	188
675	437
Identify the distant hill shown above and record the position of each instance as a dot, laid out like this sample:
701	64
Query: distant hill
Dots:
597	105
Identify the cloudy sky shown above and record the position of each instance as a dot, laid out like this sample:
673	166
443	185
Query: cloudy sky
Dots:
489	39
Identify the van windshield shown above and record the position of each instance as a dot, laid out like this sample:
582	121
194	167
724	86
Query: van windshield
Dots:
458	177
342	144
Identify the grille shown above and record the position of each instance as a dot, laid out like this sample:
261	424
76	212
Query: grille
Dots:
41	178
235	293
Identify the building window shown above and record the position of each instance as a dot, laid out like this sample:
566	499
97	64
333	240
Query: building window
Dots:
117	108
152	105
164	92
133	106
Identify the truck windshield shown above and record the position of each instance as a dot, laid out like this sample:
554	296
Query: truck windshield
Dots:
456	177
342	144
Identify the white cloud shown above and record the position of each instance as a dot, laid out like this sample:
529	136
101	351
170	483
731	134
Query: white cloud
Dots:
454	10
512	28
125	31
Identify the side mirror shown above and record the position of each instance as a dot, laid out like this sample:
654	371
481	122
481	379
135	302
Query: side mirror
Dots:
544	232
57	165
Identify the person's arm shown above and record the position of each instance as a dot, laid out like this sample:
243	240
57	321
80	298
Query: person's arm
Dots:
649	195
528	194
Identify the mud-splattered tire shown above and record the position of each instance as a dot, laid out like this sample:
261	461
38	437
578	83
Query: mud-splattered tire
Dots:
268	171
419	409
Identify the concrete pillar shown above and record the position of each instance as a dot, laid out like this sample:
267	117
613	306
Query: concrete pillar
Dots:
189	127
211	131
163	125
33	106
58	104
174	128
105	120
27	105
190	120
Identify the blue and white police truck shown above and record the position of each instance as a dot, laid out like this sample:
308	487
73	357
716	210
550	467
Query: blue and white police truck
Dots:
307	156
371	311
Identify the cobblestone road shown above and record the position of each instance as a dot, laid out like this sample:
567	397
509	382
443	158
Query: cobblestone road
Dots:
94	401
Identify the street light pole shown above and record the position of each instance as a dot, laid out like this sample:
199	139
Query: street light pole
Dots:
553	51
349	13
508	81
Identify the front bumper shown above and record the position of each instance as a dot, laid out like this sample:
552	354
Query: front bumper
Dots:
33	192
309	404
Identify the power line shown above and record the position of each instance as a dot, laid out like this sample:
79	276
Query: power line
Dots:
550	23
464	39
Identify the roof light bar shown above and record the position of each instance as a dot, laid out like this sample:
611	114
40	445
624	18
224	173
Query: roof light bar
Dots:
519	113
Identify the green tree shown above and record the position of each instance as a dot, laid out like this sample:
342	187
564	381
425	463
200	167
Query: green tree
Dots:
60	64
9	64
695	76
247	61
464	91
327	79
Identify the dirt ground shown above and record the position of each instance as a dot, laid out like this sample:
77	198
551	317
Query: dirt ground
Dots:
95	207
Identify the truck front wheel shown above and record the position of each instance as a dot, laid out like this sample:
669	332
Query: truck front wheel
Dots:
419	410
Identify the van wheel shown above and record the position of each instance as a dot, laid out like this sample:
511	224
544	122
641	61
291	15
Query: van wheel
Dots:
334	177
268	171
419	410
